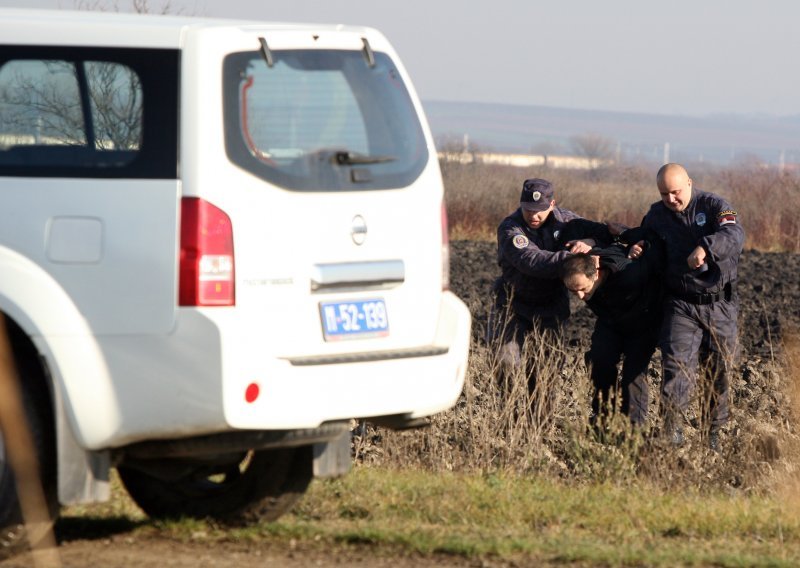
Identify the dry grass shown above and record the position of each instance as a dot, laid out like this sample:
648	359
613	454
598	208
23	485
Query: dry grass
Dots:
480	196
788	484
499	427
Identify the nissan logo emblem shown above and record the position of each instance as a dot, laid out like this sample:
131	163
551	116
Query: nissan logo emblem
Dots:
358	230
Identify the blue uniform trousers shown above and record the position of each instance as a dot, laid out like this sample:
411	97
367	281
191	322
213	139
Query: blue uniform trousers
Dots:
704	334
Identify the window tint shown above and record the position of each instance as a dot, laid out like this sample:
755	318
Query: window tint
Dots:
289	109
115	94
40	103
80	112
322	120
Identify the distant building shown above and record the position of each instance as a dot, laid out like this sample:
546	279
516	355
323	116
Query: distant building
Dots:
525	160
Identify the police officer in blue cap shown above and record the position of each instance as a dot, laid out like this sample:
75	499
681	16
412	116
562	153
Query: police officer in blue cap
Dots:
703	239
529	294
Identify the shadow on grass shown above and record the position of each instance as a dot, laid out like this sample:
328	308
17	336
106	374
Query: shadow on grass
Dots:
69	529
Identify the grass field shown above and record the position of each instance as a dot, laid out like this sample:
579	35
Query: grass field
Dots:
522	481
524	520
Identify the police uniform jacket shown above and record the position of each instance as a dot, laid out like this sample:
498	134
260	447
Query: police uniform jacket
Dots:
529	260
708	221
629	299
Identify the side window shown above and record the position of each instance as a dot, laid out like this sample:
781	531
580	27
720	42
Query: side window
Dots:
115	92
83	114
40	105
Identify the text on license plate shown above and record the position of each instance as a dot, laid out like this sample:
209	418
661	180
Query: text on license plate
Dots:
354	320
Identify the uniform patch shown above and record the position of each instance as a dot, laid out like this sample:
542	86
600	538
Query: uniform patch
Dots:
520	241
727	217
556	233
537	195
700	219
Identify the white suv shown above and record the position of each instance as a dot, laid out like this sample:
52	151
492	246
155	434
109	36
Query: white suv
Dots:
219	242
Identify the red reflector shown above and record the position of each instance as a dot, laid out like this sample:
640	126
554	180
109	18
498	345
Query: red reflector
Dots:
252	392
206	264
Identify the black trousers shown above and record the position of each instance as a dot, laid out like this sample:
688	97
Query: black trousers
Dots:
635	347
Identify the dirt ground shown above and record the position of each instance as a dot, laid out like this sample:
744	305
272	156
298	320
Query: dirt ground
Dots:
769	288
768	284
122	551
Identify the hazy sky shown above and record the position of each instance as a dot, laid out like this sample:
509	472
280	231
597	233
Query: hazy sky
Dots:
693	57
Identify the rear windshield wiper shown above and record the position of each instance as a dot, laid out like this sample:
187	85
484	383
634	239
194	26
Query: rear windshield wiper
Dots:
344	158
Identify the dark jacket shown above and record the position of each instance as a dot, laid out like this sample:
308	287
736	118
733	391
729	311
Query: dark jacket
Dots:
530	260
708	221
629	299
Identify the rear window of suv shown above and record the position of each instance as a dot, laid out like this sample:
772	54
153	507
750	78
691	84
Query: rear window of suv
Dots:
322	120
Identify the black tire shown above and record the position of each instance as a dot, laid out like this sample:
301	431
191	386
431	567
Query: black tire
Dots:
261	487
36	403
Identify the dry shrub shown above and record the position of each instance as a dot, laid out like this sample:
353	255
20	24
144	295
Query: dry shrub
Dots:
791	351
767	202
784	442
497	425
479	196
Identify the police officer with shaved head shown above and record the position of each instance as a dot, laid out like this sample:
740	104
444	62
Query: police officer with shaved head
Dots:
703	240
529	295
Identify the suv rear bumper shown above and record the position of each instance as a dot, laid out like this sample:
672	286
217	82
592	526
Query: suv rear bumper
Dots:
416	382
194	382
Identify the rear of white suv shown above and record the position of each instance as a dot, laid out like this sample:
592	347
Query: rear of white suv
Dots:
222	241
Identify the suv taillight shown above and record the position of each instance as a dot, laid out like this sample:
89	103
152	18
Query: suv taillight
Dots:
206	265
445	251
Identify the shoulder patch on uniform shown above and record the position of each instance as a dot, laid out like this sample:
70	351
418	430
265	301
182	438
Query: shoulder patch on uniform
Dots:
520	241
727	217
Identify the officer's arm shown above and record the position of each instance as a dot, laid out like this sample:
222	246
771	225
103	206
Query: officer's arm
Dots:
584	229
567	215
528	258
655	254
727	239
636	234
640	241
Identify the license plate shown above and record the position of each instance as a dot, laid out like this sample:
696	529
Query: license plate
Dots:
354	320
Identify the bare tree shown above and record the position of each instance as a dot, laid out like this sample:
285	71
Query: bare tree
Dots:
137	6
42	100
35	107
44	103
116	95
547	148
593	147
